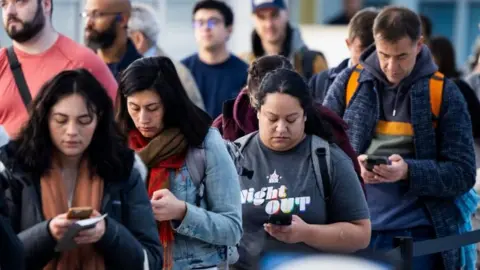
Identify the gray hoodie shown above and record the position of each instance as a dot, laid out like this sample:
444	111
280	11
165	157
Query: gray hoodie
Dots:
390	206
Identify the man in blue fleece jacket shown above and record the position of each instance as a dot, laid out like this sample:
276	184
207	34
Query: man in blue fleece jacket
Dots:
390	115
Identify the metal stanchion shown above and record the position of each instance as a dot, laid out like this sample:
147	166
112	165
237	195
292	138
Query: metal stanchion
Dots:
406	250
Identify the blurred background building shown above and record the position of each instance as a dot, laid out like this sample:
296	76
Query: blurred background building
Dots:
456	19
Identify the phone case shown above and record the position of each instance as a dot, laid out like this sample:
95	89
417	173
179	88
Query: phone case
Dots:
280	219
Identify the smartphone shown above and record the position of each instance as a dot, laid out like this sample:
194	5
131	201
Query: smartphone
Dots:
79	212
280	219
375	160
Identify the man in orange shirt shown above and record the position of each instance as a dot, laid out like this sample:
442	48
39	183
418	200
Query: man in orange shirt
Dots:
42	52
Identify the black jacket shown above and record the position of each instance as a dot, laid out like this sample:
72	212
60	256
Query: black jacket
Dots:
130	225
320	82
11	251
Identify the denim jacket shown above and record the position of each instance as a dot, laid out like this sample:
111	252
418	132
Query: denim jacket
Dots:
444	165
202	237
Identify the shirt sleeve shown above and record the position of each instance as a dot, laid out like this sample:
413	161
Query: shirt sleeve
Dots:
102	73
348	200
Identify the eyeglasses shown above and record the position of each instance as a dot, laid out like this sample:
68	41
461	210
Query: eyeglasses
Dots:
210	23
97	14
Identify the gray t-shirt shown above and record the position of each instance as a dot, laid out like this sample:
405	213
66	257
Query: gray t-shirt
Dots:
286	182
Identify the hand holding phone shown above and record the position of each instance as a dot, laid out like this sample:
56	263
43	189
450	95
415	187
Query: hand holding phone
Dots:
373	161
280	219
79	212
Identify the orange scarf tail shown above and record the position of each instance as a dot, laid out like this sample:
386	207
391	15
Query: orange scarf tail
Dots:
88	192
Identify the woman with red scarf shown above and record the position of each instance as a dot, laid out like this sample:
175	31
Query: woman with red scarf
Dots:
162	124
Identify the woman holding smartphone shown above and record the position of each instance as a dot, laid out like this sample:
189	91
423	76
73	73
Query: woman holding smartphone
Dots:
69	154
284	204
166	129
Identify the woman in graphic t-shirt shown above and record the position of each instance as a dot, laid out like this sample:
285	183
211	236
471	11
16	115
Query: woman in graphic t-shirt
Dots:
285	182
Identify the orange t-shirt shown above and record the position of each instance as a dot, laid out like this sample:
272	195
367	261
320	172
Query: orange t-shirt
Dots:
65	54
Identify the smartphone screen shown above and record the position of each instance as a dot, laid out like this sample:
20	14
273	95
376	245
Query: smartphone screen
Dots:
373	161
280	219
79	213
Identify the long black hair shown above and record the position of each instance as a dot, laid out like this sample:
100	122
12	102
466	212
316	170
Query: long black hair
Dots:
159	74
34	147
289	82
444	54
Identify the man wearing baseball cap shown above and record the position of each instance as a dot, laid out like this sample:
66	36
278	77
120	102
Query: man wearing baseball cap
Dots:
274	35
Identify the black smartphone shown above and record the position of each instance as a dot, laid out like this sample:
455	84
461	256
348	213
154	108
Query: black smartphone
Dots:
375	160
280	219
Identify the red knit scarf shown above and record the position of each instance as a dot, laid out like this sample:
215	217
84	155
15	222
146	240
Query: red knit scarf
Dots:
161	155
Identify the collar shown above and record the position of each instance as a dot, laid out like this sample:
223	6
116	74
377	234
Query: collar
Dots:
151	52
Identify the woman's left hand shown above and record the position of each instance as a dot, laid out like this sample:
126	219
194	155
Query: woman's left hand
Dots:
92	235
288	234
167	207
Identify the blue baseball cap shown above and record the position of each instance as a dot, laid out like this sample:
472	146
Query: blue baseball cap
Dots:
261	4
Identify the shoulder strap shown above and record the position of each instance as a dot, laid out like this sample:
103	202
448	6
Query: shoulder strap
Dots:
436	93
352	84
196	164
243	141
196	161
16	68
321	166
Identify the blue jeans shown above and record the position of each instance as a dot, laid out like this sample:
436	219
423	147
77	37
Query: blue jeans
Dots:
383	241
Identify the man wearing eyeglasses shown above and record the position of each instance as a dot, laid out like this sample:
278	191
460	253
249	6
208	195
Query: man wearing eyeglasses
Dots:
38	53
106	32
218	73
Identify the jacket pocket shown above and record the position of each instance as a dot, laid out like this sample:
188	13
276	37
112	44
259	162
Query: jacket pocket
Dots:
182	187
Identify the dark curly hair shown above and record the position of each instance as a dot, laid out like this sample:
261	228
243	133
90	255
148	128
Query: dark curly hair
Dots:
34	146
287	81
260	67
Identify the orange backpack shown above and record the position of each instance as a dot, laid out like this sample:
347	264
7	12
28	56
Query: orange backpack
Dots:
435	84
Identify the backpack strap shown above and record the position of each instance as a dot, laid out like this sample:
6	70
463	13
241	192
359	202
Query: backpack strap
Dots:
243	141
436	94
196	161
17	72
321	166
352	84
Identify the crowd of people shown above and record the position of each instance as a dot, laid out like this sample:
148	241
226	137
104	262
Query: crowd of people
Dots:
217	160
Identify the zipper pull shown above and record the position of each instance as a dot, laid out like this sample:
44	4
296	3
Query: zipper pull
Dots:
394	112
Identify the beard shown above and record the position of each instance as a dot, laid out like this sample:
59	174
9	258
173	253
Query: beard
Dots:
28	30
101	40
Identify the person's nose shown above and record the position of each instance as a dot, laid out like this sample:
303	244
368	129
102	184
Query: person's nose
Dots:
89	22
144	117
282	127
268	23
9	9
72	129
